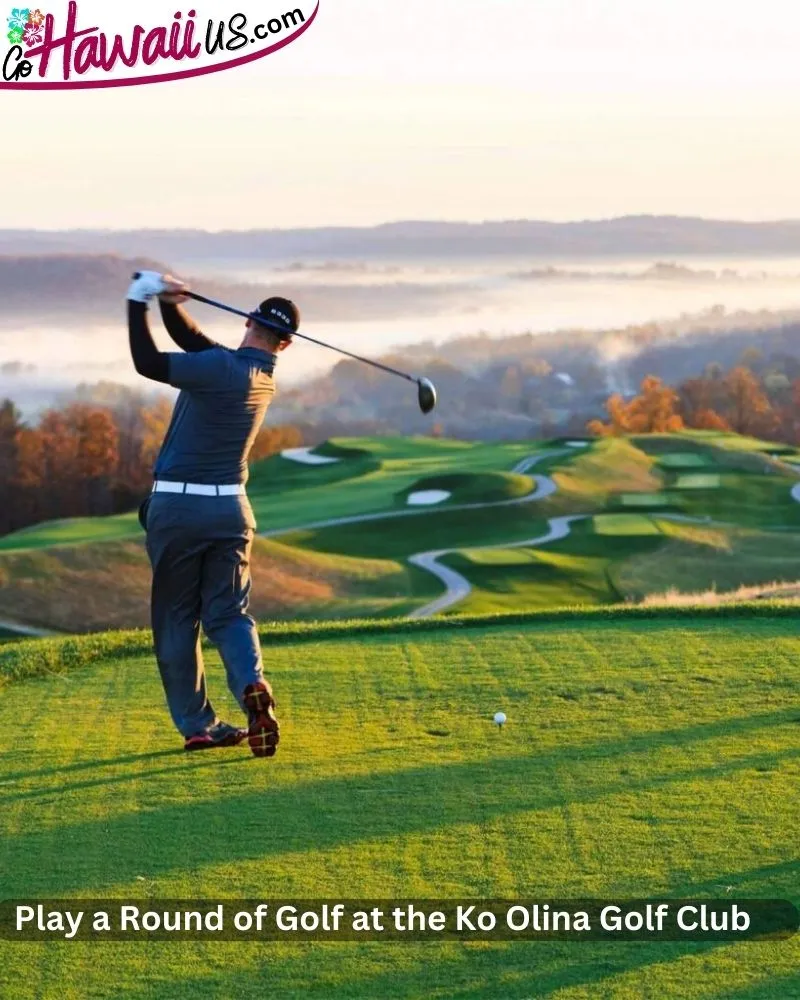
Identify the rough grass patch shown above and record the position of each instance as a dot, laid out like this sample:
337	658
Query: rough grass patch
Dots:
611	465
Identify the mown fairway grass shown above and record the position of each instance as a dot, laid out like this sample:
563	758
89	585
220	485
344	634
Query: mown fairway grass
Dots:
76	531
369	472
644	755
577	570
378	471
93	574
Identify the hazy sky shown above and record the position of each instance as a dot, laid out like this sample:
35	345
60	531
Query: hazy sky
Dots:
456	109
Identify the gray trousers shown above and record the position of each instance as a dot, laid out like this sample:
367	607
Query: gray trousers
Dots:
199	548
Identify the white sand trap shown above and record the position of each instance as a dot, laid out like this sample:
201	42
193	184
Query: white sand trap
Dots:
307	457
577	444
427	498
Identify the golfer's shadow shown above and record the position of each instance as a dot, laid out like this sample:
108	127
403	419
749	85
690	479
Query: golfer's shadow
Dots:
195	760
89	765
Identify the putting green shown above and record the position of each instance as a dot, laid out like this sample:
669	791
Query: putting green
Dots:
683	460
76	531
644	499
624	524
698	482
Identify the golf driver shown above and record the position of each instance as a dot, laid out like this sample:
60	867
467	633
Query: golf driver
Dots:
427	390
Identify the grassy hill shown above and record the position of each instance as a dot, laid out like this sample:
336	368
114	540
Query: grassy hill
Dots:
646	753
91	587
649	751
92	573
695	511
652	514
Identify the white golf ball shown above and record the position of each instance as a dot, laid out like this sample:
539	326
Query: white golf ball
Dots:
500	719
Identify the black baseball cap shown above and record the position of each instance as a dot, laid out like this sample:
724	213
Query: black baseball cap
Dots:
283	316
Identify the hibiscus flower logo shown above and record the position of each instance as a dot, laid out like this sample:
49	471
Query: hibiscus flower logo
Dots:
18	21
15	36
36	17
33	34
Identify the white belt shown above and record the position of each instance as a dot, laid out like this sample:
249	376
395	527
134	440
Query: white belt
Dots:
198	490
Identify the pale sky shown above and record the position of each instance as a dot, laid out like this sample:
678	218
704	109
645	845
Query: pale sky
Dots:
455	109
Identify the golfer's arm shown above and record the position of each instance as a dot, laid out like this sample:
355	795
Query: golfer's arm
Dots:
183	330
147	359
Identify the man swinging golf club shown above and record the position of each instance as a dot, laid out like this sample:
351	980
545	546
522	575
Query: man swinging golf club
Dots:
199	522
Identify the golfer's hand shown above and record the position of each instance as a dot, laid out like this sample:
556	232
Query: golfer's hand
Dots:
174	290
146	284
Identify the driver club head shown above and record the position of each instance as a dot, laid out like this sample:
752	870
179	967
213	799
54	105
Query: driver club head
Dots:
427	395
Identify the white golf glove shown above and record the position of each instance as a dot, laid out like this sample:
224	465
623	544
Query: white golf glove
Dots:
146	285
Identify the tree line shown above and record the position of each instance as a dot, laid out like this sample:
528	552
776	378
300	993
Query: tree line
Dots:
763	405
88	458
94	455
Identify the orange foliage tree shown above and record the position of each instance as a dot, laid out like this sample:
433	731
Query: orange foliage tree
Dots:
654	411
749	410
90	457
701	401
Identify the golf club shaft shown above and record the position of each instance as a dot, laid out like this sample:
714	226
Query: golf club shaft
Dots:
274	326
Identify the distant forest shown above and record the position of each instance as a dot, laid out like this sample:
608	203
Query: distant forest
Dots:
506	388
629	235
92	456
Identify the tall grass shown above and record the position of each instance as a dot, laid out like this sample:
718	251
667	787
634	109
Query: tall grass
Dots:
674	598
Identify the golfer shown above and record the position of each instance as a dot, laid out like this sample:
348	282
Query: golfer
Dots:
199	522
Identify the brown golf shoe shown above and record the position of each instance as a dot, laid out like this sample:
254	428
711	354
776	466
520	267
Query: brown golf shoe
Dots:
263	731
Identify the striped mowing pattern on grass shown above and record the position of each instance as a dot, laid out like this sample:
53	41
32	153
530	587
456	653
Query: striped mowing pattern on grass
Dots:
644	755
644	499
683	460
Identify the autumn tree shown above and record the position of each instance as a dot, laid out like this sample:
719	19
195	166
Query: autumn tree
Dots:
654	411
141	427
58	453
93	456
708	420
96	456
10	427
748	409
700	402
789	415
273	440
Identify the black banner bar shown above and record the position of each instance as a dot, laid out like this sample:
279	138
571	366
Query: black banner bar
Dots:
399	920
